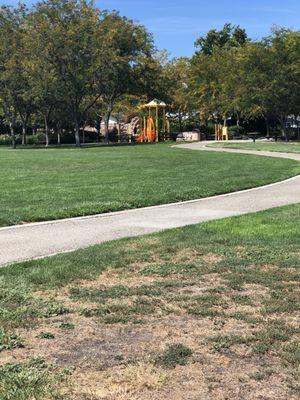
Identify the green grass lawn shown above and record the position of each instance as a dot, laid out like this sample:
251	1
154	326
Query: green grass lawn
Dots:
201	311
263	146
40	184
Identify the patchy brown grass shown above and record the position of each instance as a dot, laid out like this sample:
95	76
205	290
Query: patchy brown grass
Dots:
236	312
115	360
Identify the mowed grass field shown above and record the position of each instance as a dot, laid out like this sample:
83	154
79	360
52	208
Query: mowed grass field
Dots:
262	146
40	184
209	311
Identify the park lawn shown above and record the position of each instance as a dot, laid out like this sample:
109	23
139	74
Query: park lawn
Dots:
206	311
40	184
293	147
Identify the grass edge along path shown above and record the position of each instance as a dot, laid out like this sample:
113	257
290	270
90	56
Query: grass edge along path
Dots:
290	147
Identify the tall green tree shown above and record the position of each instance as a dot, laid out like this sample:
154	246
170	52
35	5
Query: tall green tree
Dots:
11	73
125	46
229	36
43	80
67	30
181	98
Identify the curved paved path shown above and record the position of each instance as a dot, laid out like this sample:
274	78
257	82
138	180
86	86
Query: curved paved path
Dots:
23	242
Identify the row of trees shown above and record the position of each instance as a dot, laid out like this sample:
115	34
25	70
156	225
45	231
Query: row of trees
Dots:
63	62
232	77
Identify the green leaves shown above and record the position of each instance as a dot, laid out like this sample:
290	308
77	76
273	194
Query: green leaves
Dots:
250	80
60	58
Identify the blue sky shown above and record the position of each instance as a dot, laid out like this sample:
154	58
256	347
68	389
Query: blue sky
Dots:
177	23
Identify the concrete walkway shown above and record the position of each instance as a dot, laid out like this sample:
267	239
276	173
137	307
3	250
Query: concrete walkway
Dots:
24	242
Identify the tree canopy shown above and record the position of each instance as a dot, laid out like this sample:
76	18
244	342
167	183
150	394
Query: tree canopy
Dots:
229	36
66	63
67	54
254	80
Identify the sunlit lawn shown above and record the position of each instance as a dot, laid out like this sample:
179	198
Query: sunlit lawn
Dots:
39	184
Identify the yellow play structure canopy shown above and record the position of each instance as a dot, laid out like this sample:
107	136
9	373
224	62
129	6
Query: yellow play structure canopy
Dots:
155	103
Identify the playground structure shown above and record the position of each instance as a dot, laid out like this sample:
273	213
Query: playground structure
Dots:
221	132
154	122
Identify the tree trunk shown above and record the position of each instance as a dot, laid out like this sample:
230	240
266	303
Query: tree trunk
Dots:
46	129
287	135
120	139
59	137
283	128
180	122
77	133
107	118
12	135
267	128
24	134
98	127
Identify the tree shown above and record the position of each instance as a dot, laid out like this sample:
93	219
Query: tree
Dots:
284	46
26	97
206	84
43	80
253	81
11	73
229	36
25	107
182	102
154	80
66	29
125	44
270	78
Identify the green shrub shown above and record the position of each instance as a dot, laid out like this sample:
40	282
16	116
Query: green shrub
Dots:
208	130
5	140
236	131
32	140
